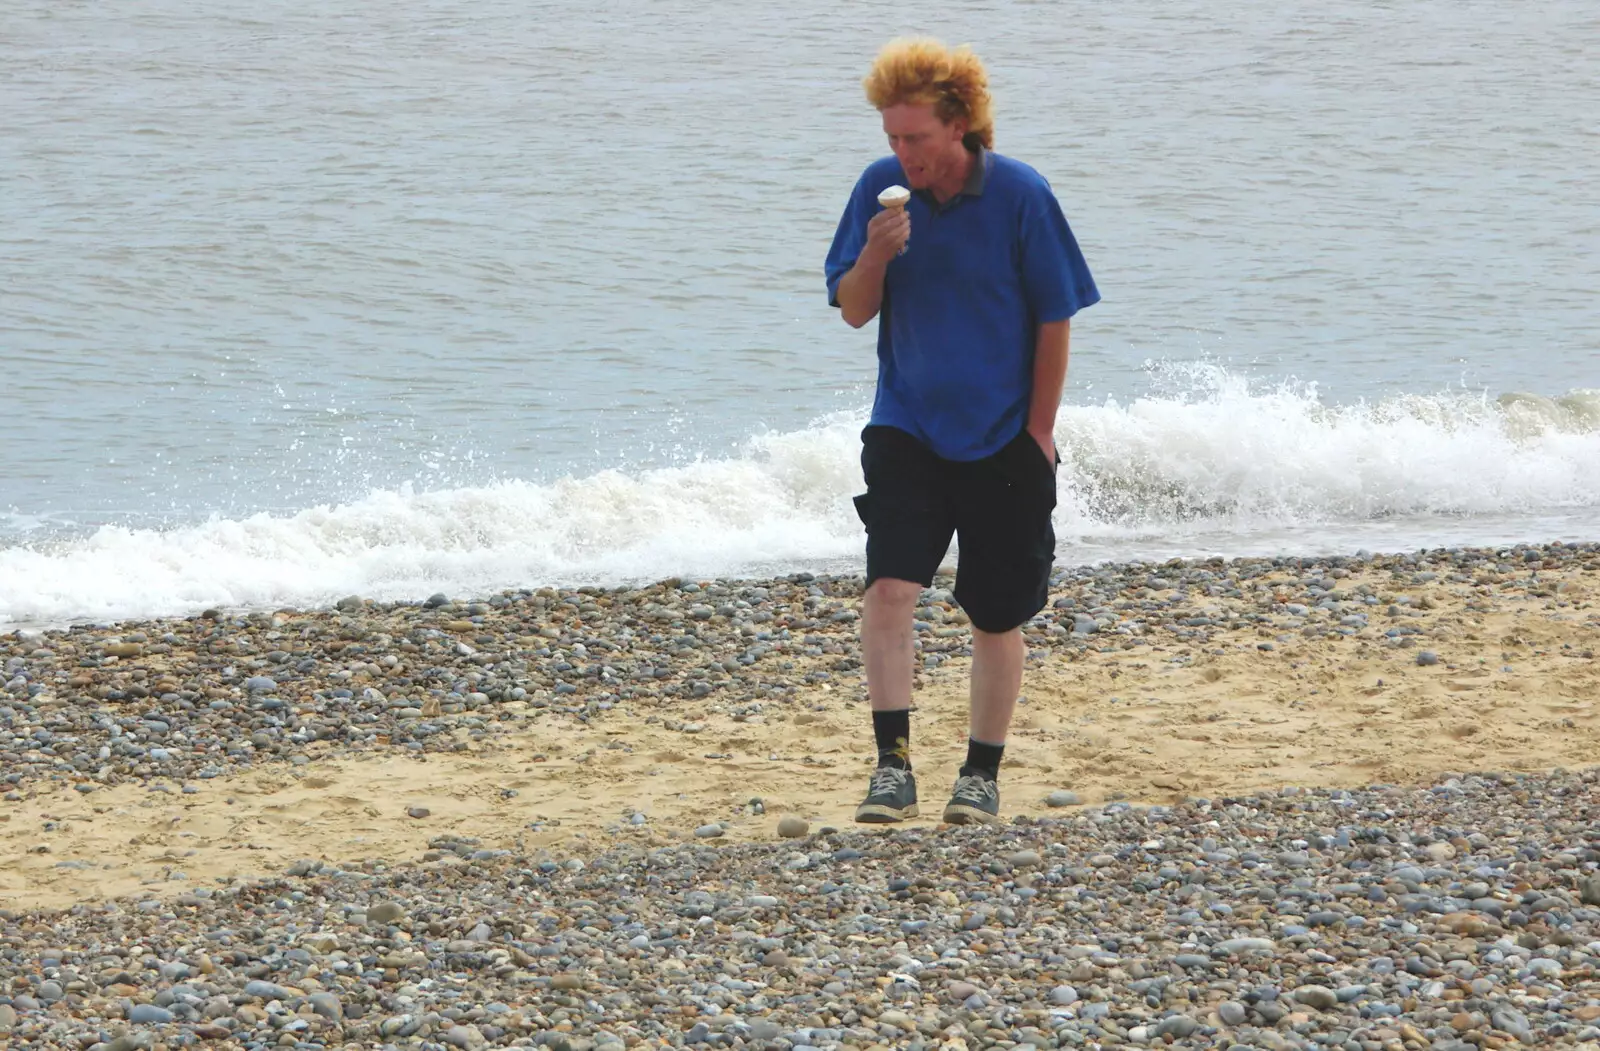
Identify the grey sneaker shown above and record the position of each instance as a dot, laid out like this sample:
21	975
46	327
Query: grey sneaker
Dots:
976	801
891	796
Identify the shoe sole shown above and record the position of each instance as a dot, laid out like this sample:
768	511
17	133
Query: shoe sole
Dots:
878	814
955	814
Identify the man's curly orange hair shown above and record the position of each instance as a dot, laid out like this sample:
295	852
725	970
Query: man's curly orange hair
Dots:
924	70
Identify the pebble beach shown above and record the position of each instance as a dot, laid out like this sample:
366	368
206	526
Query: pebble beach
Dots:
1268	803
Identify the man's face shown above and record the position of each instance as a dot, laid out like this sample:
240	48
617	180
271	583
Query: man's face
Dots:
926	146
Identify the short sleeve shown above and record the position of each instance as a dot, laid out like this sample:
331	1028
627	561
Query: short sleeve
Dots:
1054	273
849	238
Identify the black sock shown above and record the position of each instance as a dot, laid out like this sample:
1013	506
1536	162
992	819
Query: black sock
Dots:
983	759
893	731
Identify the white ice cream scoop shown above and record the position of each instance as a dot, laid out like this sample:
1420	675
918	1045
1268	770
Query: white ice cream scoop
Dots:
895	197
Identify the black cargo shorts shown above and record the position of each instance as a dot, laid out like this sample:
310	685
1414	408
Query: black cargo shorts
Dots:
998	508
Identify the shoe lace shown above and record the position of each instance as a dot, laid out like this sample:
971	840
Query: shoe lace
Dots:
975	789
886	780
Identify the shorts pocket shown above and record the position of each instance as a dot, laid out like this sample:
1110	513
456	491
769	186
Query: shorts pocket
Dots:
863	504
1028	468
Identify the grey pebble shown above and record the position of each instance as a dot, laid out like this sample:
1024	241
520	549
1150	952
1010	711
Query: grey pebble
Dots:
149	1014
1318	996
266	990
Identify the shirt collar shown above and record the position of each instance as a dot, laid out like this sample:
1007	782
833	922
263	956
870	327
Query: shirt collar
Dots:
977	175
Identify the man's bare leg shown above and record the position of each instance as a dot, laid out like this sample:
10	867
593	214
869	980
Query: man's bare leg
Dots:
886	639
996	678
996	681
886	646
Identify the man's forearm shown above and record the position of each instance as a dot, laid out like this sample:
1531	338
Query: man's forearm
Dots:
861	292
1049	377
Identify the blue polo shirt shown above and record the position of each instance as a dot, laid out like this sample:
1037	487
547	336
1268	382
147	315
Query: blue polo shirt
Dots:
963	303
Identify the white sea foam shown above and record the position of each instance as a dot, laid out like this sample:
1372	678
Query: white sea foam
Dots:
1218	468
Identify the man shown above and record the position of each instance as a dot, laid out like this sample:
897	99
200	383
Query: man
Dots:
973	284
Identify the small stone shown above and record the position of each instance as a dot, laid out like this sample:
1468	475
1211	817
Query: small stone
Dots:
961	990
1063	996
149	1014
1589	890
266	990
418	812
1427	658
1062	797
1231	1013
8	1018
1510	1020
792	827
464	1036
1318	996
1179	1026
1440	852
898	1019
1025	859
385	912
1239	946
712	831
327	1005
566	982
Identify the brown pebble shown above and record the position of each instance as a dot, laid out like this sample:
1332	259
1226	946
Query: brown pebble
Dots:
962	990
566	981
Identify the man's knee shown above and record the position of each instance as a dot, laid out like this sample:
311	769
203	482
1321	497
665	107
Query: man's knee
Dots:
890	594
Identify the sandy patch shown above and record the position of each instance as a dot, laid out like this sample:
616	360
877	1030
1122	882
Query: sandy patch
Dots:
1516	688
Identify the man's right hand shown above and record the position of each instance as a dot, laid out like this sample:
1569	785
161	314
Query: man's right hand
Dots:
887	233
